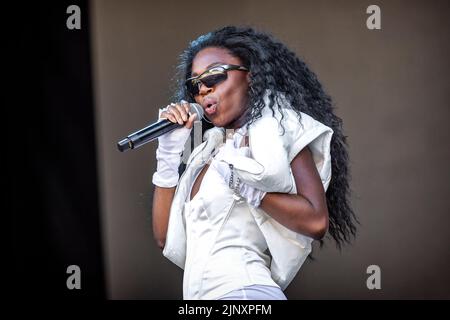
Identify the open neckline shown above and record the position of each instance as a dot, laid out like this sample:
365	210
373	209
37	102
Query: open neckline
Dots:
242	144
201	183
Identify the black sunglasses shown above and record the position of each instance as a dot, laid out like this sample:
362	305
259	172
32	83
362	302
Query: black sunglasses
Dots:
210	77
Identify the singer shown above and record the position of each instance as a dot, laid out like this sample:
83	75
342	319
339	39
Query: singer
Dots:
270	177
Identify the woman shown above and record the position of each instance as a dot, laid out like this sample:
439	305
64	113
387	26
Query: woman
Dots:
241	219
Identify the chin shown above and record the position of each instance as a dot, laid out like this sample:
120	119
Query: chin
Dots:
218	123
222	122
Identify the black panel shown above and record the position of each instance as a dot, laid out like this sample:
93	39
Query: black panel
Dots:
55	201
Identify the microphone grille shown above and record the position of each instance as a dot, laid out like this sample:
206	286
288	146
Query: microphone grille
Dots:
196	108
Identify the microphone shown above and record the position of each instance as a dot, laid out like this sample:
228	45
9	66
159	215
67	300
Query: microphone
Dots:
153	131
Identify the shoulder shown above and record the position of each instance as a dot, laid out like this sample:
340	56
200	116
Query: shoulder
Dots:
288	123
291	129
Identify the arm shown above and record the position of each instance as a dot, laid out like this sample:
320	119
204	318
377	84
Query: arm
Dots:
168	155
305	212
162	200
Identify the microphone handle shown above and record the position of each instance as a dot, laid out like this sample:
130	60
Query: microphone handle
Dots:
141	137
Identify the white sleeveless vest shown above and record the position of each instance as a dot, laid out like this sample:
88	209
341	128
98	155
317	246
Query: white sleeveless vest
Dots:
268	170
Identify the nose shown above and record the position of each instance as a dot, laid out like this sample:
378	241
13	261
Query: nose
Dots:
204	90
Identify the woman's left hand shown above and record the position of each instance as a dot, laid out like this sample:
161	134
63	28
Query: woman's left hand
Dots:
252	195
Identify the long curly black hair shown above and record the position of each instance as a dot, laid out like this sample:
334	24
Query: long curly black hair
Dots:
276	68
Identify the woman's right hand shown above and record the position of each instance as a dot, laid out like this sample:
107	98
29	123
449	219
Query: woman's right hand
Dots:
179	113
171	144
174	141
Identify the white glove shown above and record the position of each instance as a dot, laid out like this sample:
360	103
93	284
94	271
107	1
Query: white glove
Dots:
168	155
252	195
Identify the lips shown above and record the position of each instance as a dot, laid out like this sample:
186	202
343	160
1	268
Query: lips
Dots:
211	109
210	106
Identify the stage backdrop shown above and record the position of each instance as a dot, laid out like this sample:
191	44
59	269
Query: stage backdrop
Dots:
389	86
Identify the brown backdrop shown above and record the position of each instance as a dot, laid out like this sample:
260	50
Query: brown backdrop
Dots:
390	87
